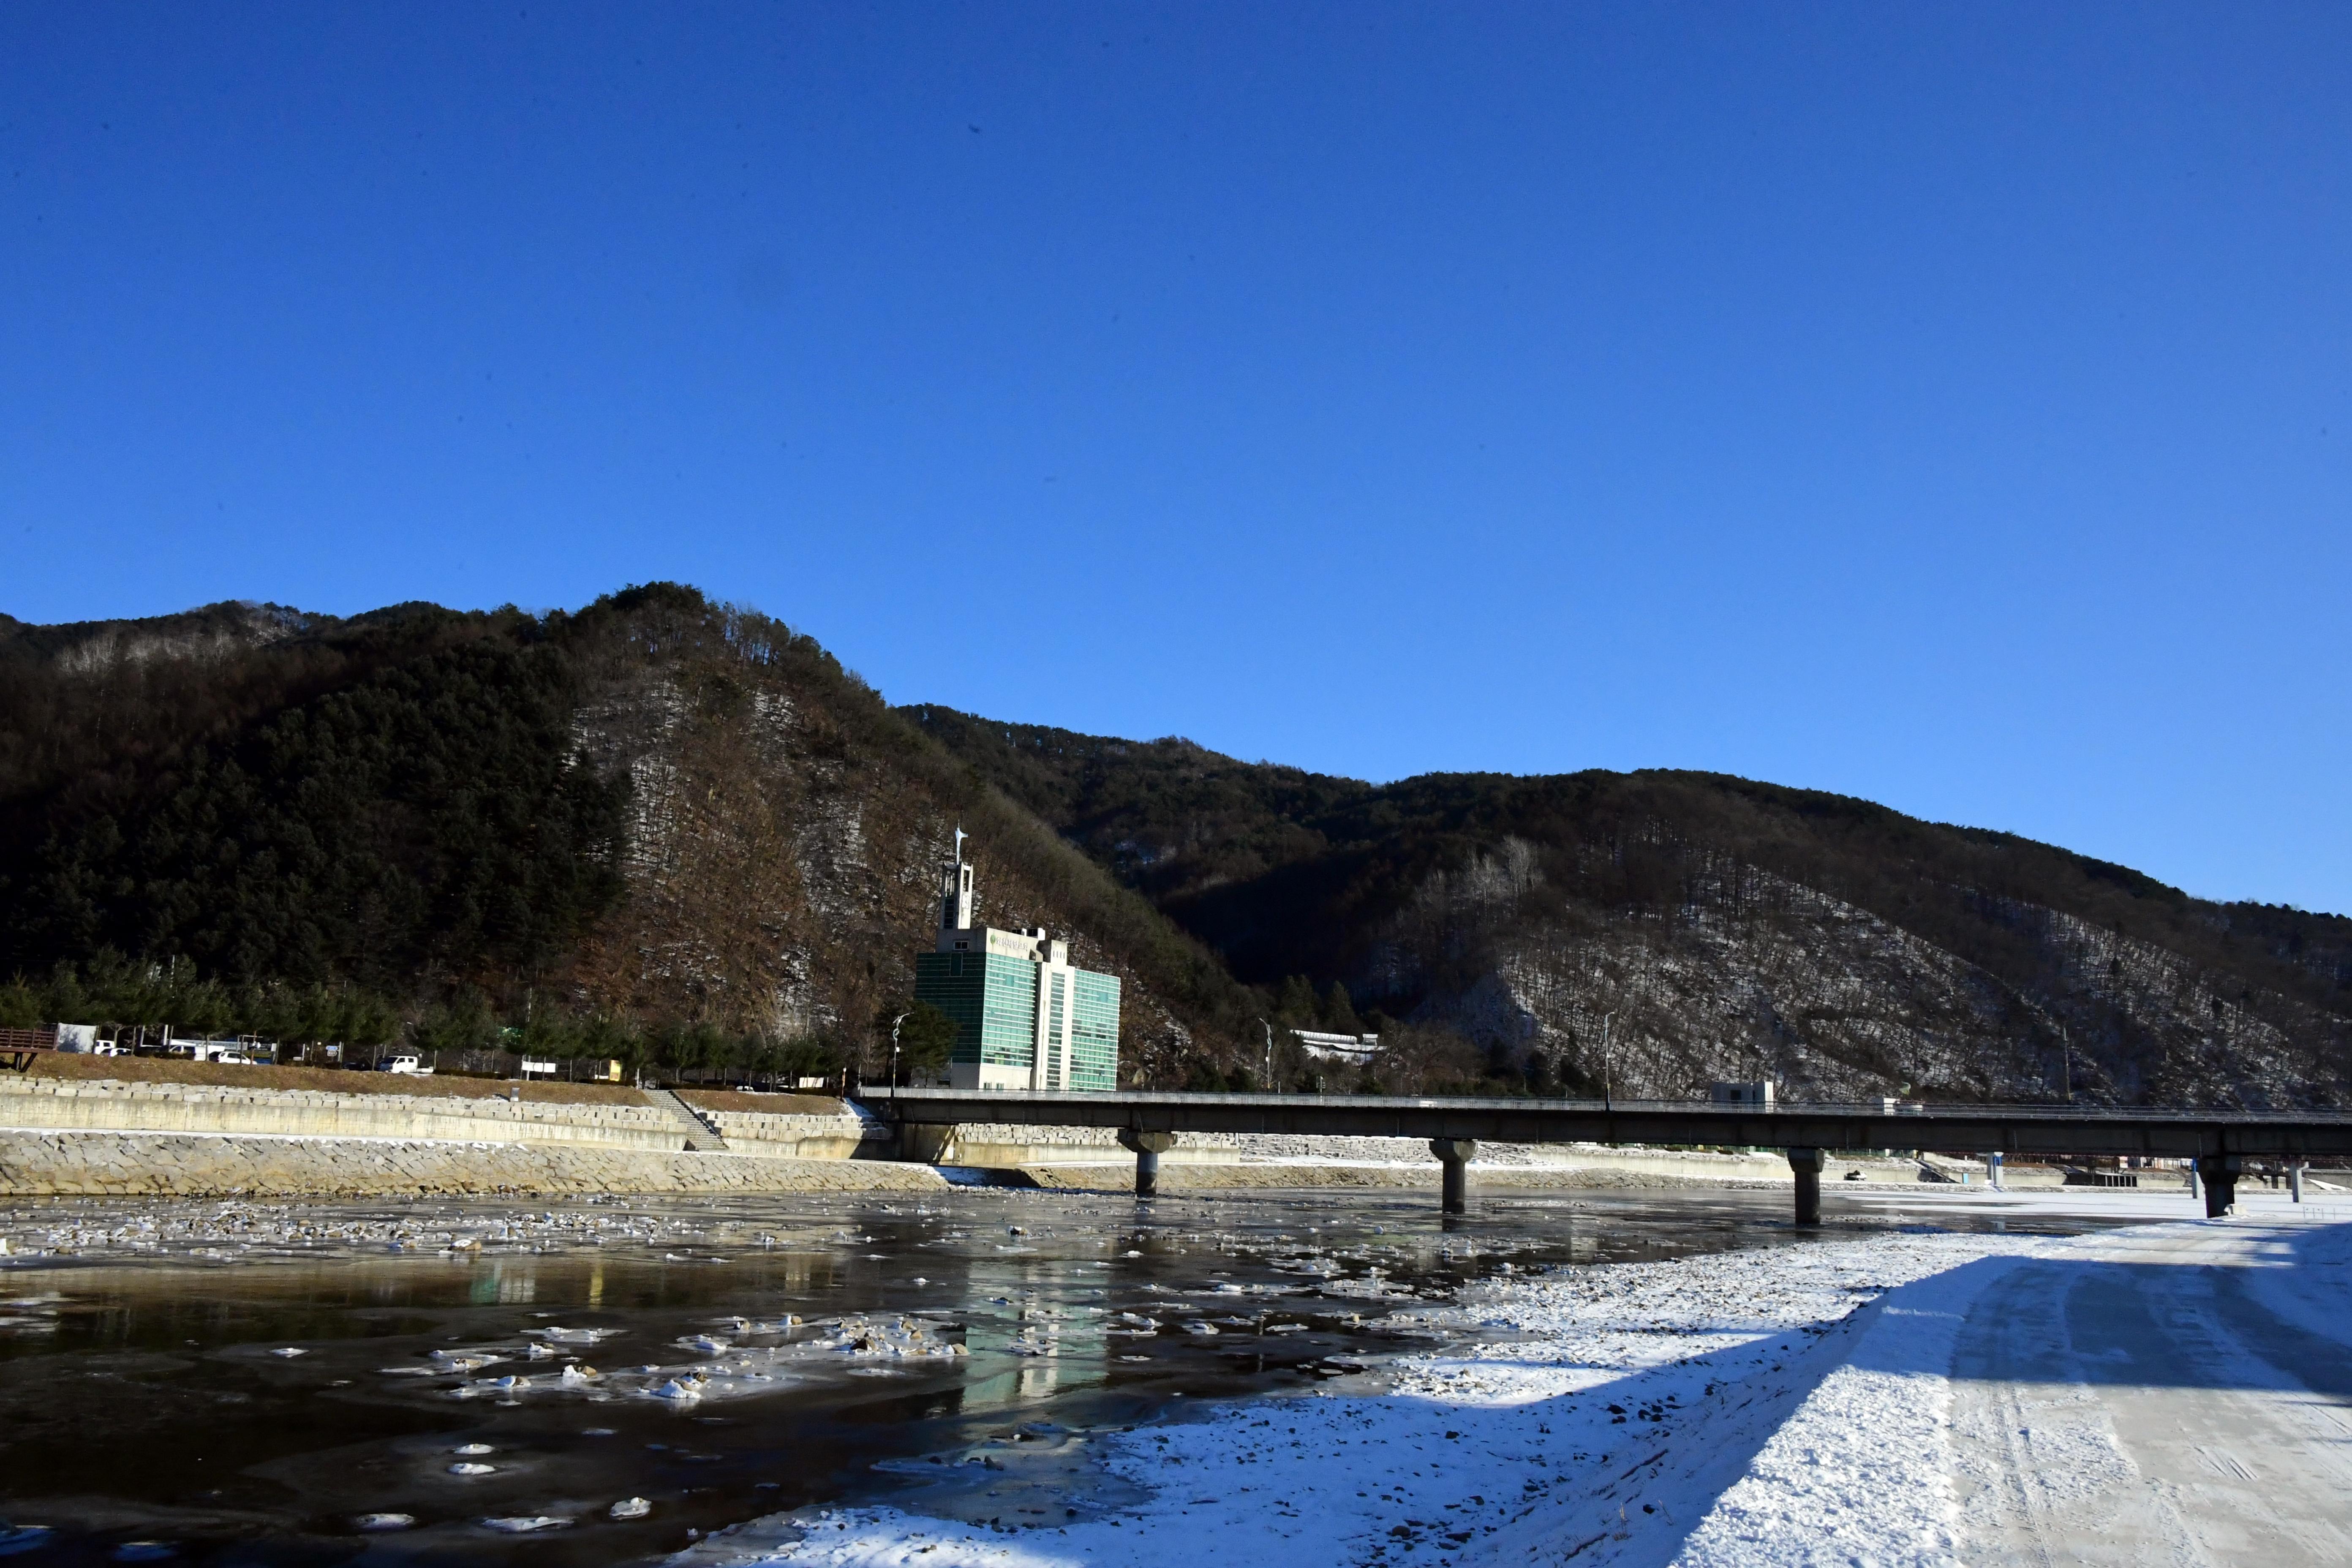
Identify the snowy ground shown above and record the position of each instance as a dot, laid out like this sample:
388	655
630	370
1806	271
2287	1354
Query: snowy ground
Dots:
1790	1405
2177	1394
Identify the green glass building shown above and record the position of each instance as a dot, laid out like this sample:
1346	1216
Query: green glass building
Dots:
1026	1018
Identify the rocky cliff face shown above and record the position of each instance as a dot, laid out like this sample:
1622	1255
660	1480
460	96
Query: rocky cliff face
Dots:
1834	1003
785	842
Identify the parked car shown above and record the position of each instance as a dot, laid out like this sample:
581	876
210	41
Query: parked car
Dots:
235	1052
410	1064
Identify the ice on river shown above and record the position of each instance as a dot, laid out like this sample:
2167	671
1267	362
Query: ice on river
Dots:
526	1524
1728	1408
241	1231
762	1357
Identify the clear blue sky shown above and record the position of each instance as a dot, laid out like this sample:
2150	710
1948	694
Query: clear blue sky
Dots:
1947	405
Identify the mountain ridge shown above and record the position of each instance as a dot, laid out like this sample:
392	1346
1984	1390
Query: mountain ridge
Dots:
755	861
1389	889
667	815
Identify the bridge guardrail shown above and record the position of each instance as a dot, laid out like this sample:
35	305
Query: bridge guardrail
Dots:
1874	1110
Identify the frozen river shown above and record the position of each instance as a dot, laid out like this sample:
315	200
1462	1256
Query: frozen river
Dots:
264	1384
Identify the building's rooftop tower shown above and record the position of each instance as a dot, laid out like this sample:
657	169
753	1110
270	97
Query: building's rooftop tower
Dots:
955	891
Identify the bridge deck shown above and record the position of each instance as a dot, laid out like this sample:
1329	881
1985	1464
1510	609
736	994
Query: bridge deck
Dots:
2024	1129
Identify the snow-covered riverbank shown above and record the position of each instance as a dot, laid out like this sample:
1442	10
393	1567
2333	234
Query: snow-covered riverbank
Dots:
1791	1404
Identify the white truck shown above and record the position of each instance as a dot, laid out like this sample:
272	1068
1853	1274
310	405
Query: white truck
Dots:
404	1064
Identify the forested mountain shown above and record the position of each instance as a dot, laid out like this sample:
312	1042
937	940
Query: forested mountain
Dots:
667	825
658	816
1727	929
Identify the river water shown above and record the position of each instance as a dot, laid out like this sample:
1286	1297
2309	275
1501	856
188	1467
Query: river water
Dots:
466	1382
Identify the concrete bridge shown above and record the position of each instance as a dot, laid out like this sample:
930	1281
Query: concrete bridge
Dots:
2220	1142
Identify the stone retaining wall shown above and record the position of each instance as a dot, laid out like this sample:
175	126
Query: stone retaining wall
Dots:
57	1164
124	1105
1005	1146
787	1135
1582	1166
1423	1177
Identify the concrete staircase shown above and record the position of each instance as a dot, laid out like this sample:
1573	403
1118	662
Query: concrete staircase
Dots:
702	1133
877	1139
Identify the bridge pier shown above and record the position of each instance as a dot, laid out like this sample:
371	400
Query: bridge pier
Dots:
2220	1174
1455	1154
928	1119
1807	1164
1147	1147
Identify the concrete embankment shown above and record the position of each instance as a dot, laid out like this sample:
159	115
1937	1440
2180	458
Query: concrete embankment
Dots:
828	1130
90	1125
996	1145
1305	1173
128	1164
1090	1158
283	1102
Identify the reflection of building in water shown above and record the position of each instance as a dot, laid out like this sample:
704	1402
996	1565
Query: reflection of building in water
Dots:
1039	1379
804	1270
1070	1332
1024	1017
504	1284
1058	1323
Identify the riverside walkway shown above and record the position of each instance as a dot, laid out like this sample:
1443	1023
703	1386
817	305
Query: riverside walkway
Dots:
2220	1142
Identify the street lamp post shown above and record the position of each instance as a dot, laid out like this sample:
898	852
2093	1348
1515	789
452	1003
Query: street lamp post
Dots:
893	1049
1608	1095
1269	1053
